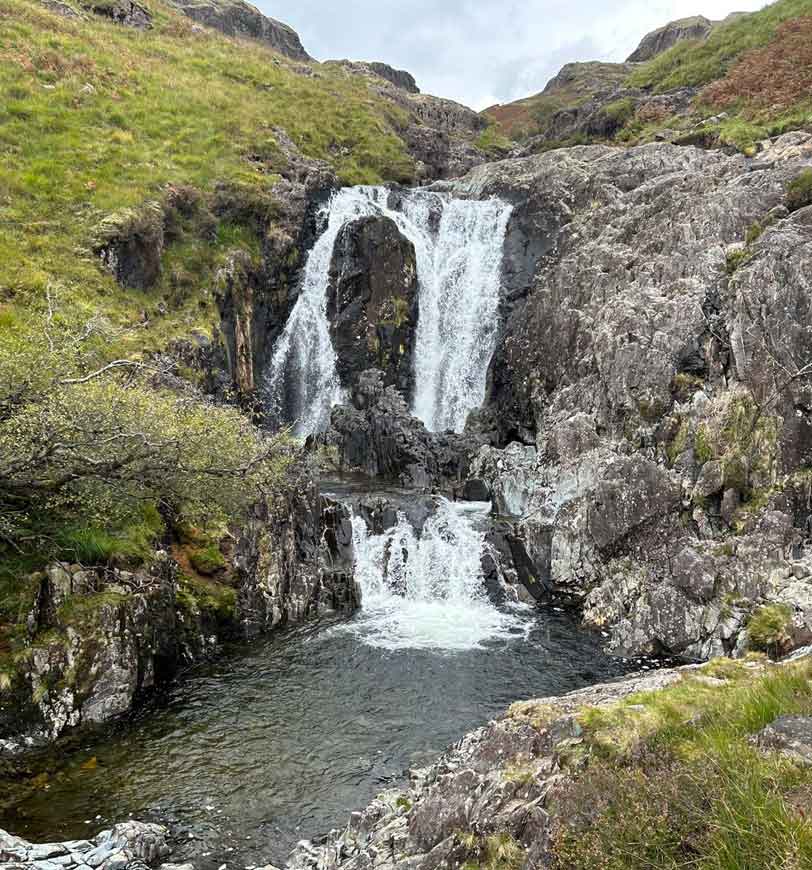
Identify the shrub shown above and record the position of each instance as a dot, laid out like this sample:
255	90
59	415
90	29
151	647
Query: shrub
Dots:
87	456
799	191
774	77
769	629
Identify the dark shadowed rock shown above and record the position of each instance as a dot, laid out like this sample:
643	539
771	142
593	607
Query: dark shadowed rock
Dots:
475	489
378	437
125	12
238	18
129	244
372	302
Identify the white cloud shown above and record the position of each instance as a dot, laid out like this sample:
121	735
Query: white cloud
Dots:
484	51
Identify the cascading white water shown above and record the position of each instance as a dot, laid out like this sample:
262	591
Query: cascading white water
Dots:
301	384
427	591
458	246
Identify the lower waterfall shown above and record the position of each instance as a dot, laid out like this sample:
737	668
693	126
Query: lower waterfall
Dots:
458	245
427	591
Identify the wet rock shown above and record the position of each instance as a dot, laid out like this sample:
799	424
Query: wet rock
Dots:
475	489
379	437
789	735
294	560
372	302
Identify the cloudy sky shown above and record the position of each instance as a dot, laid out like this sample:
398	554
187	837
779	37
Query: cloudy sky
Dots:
482	52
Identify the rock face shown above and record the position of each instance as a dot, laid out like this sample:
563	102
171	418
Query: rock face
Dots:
653	435
377	436
100	639
441	135
372	302
125	12
697	28
130	243
295	562
398	77
238	18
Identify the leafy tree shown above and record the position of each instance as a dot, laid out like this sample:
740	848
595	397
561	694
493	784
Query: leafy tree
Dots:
89	441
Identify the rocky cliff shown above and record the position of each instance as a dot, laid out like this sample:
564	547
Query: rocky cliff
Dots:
659	387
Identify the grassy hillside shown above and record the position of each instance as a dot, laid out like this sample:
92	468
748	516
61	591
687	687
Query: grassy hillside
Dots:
695	64
97	121
97	117
757	68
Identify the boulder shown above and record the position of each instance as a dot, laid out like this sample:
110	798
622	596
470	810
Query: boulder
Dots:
125	12
789	735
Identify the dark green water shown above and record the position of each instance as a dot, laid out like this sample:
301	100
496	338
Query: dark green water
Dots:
281	740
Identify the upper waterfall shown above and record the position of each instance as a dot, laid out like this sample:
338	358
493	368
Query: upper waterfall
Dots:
458	246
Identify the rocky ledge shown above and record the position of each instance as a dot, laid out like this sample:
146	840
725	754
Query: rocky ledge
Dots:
132	844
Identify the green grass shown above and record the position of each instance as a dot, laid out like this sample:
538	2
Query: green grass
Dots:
769	628
799	191
97	118
131	544
675	782
694	64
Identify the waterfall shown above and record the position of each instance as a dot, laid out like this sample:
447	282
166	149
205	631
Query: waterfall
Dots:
426	591
458	246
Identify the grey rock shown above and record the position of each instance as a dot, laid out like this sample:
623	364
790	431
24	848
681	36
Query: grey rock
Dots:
238	18
789	735
47	850
126	12
695	28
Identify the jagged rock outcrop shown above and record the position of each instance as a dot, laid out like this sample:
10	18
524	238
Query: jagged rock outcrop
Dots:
372	302
129	244
378	436
295	561
238	18
440	134
696	27
651	370
398	77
